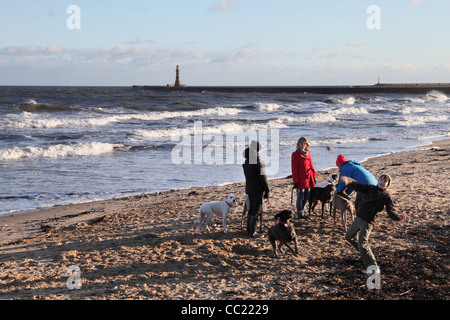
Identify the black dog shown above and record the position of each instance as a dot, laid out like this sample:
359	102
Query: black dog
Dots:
321	194
283	232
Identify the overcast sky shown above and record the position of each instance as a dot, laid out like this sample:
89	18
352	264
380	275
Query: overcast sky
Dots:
224	42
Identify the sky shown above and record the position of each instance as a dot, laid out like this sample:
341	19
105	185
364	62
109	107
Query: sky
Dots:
223	42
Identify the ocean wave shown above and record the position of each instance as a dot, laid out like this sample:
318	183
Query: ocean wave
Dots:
409	121
403	100
432	96
436	96
344	101
267	107
33	106
349	111
59	151
27	120
225	128
411	110
314	118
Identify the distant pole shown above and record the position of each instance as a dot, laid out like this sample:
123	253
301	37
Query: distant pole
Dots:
378	80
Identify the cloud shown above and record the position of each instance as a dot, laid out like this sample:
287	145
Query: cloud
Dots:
416	2
248	64
135	41
134	53
224	5
355	43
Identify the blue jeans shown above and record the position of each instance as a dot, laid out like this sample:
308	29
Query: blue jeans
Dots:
302	198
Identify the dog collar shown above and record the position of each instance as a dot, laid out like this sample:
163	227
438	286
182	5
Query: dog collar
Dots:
284	223
230	205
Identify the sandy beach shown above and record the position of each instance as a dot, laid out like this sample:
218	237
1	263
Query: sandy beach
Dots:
147	247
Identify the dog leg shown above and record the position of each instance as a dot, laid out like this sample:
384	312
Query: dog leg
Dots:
310	206
331	207
274	246
296	245
280	247
323	207
344	218
290	248
224	223
334	215
243	217
200	221
208	220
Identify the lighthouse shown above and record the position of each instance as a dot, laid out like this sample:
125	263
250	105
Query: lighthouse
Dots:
177	79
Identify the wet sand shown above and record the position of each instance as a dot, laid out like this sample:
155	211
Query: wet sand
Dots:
147	247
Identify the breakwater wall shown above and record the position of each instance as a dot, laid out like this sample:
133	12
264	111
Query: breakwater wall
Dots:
414	88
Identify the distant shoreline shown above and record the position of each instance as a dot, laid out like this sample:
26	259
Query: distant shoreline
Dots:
415	88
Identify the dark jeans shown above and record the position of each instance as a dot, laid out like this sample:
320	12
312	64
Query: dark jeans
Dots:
255	206
302	198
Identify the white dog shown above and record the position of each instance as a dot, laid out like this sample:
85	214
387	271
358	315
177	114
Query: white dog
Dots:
220	208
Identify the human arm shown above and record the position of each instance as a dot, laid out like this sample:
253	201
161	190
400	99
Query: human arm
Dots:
390	209
263	179
294	169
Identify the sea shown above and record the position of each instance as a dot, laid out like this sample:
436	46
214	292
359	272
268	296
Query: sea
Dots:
65	145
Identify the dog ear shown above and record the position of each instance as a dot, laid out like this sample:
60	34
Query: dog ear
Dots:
277	215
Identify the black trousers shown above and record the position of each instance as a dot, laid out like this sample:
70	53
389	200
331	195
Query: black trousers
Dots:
255	206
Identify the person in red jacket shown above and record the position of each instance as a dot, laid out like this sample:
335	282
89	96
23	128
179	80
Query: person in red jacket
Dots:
303	174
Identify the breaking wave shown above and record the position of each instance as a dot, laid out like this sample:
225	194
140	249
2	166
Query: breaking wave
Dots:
59	151
33	106
409	121
28	120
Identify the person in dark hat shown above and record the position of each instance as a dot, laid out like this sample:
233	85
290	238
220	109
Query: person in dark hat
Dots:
256	185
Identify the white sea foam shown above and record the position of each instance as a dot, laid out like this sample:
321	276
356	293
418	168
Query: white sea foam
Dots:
268	107
29	120
328	142
409	121
436	96
411	110
344	101
349	111
58	151
230	127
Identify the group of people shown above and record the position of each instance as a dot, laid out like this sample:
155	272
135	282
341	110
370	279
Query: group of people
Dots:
371	194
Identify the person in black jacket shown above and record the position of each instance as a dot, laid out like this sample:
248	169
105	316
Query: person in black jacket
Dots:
256	185
375	200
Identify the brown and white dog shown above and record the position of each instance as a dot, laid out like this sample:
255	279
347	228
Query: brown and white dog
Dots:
218	208
343	205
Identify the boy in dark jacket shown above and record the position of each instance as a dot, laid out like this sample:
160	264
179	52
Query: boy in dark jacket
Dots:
375	200
256	185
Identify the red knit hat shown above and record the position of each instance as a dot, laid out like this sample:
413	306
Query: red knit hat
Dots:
340	160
